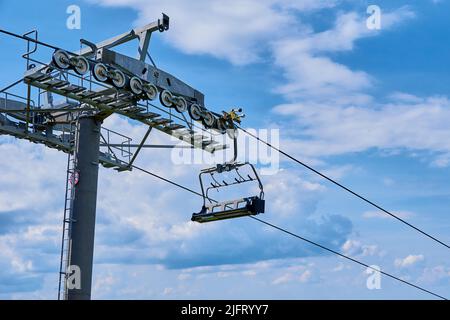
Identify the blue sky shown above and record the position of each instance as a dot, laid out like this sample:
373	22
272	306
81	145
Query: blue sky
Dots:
370	108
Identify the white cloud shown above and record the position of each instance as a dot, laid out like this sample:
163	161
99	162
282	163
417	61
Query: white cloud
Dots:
405	98
435	275
167	291
330	106
249	273
305	276
184	276
400	15
337	172
355	248
307	5
238	31
285	278
285	188
337	129
30	178
341	267
313	75
104	282
441	161
348	28
242	281
408	261
331	109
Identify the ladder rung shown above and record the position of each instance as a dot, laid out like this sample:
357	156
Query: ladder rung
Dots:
174	127
56	83
72	88
38	76
162	121
134	109
125	95
89	94
119	104
104	99
148	115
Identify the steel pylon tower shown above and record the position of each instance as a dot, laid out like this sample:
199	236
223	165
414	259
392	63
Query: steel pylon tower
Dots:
81	220
95	83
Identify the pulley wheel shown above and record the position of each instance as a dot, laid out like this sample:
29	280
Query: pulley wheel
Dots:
81	65
166	98
195	112
150	91
61	59
136	85
208	119
100	72
180	104
118	79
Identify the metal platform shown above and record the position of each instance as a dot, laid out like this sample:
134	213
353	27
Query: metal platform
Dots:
107	101
62	142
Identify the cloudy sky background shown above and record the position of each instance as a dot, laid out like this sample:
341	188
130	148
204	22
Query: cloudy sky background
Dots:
369	108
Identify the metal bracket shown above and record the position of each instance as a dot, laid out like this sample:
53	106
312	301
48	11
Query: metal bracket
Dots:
140	146
142	33
91	45
164	25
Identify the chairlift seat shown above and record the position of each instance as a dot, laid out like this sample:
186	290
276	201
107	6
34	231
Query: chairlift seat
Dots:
230	209
246	206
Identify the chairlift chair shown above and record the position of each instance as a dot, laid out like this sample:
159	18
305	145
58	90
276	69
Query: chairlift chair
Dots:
213	210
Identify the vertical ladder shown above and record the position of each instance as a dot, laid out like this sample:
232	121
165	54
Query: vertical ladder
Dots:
71	180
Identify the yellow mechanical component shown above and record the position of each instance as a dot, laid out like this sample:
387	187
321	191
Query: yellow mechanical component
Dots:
234	116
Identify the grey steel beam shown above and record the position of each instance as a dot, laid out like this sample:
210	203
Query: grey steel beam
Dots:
140	146
165	146
122	38
84	208
144	42
46	110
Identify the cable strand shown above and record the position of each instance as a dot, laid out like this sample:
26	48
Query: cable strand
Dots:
346	257
346	189
298	236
